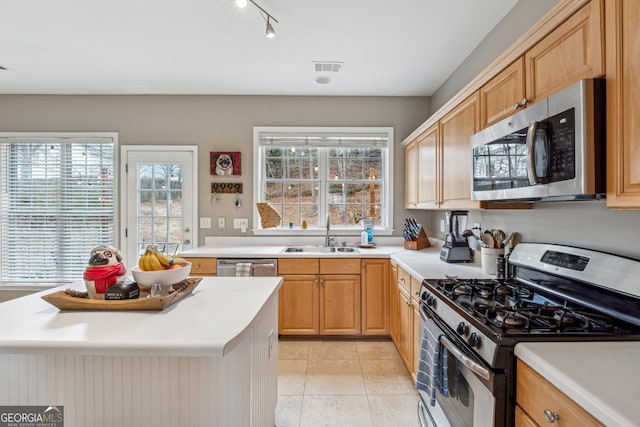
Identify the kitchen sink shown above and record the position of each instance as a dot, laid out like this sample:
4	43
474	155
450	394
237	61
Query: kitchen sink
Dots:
321	249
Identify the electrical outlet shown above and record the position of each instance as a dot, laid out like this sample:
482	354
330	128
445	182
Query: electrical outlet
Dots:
221	222
205	222
442	229
242	223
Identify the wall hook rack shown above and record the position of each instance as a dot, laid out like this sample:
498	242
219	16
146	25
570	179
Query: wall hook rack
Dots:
226	187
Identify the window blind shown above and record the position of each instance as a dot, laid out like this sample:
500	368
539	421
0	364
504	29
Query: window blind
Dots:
57	202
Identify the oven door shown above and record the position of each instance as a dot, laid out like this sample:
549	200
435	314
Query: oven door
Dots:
470	401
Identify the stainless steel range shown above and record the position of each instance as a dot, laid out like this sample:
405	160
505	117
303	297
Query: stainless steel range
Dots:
555	293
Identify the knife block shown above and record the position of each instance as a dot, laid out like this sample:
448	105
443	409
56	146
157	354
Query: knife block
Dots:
421	241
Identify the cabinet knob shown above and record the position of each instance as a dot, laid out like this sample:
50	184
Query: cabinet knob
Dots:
551	416
524	102
516	105
408	303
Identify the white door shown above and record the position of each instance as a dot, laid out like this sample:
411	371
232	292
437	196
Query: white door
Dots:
159	199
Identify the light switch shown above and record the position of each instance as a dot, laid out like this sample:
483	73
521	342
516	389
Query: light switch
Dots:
221	222
205	222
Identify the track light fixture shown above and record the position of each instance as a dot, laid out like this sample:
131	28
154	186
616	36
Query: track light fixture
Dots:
270	32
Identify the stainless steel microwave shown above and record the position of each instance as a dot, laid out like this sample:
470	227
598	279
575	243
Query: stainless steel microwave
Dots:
552	150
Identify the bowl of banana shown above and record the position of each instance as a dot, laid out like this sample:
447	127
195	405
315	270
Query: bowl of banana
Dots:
154	267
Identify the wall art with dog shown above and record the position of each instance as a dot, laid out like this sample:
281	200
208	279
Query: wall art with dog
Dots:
225	163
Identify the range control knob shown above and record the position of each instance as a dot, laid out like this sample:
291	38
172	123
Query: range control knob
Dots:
474	340
463	328
431	300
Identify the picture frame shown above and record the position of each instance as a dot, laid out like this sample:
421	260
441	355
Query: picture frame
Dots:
225	163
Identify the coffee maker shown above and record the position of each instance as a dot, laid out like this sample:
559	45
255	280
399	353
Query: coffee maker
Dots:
456	248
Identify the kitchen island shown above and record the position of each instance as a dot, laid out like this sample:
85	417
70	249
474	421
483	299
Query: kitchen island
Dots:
209	360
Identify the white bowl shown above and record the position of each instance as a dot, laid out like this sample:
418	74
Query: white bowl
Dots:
163	277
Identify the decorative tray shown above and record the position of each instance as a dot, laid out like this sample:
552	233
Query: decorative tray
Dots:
64	301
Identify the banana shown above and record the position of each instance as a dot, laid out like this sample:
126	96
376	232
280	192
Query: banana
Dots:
154	262
179	261
164	260
143	262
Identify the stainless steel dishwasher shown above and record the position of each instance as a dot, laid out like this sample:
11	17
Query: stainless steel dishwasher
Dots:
249	267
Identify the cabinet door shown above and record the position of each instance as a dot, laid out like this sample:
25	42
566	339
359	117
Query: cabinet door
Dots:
203	266
428	168
375	296
340	304
405	333
393	303
523	420
623	108
298	306
455	130
415	341
571	52
503	94
535	395
411	175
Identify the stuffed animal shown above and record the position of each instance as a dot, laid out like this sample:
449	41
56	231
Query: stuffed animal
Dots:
105	268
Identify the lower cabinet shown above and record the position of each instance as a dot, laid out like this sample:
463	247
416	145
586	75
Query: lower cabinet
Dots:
314	302
375	296
393	302
405	332
539	403
406	310
203	266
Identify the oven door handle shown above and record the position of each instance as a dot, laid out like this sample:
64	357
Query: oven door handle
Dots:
475	367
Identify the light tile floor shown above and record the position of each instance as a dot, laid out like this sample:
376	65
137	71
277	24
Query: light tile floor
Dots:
344	384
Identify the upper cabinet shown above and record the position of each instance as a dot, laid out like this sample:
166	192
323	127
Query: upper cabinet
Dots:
565	46
623	107
456	127
571	52
411	175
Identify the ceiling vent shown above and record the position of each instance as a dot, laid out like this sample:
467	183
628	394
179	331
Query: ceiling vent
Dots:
328	66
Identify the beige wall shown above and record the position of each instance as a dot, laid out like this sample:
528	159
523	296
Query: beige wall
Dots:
215	123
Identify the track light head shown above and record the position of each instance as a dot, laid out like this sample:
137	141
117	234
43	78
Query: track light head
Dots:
271	33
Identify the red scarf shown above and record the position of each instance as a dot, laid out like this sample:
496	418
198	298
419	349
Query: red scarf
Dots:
104	275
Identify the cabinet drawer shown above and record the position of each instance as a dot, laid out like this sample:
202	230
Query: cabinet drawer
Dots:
340	266
298	266
534	395
404	279
202	266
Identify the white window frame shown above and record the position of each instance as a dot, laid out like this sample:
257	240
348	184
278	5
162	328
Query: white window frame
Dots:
116	186
387	190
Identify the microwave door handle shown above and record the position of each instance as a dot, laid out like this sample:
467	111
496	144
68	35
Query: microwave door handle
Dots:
531	160
473	366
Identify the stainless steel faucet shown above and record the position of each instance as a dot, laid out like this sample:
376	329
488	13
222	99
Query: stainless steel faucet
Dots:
328	238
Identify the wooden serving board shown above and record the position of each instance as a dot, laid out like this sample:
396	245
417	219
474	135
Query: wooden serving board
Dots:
66	302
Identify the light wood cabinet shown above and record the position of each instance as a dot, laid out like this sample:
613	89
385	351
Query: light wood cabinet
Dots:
393	302
456	127
523	420
205	267
535	395
503	94
313	301
415	341
623	108
411	175
571	52
375	296
427	177
405	331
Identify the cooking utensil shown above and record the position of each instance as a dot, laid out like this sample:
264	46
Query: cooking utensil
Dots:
487	239
499	236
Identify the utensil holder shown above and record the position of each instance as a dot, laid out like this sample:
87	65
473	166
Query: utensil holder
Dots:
421	241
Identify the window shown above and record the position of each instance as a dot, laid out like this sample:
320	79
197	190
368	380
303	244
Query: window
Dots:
307	174
56	203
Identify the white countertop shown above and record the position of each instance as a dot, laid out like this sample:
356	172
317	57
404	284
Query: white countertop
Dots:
422	264
601	377
205	323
